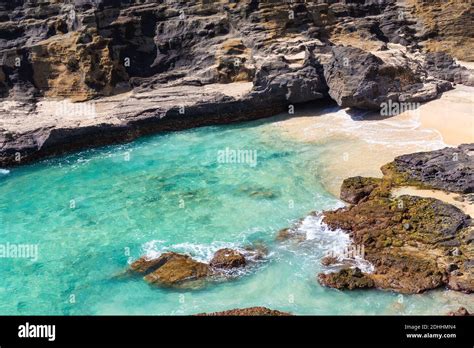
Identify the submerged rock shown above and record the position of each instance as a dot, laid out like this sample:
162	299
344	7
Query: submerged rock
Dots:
227	258
290	233
251	311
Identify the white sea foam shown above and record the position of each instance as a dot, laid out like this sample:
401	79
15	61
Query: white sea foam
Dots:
332	242
200	252
204	253
4	171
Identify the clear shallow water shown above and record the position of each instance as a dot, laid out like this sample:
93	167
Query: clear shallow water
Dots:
92	212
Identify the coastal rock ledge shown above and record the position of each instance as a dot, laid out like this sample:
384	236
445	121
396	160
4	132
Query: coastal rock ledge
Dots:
415	244
79	74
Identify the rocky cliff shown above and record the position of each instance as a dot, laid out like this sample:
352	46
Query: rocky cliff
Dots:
82	73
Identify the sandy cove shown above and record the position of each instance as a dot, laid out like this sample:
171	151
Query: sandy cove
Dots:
368	141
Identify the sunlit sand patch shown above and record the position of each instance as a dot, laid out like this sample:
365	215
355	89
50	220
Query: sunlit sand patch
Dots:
452	115
451	198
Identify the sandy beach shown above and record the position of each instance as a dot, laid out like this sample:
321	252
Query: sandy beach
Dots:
452	115
368	140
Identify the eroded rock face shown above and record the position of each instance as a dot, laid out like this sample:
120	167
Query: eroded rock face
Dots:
228	258
139	65
444	27
443	66
359	79
251	311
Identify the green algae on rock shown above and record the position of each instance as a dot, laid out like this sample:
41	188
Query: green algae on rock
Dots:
415	244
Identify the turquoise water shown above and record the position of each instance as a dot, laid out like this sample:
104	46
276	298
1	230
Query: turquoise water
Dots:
92	212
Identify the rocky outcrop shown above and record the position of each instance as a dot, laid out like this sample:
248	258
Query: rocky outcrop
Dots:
171	269
228	258
346	279
359	79
356	188
414	244
134	68
450	169
444	67
251	311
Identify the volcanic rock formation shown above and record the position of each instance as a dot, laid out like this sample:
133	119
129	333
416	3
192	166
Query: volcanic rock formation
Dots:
79	73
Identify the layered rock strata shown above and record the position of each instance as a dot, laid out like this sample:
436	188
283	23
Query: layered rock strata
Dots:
80	73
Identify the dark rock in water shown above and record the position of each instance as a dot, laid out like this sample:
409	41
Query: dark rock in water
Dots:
461	311
258	192
251	311
228	258
290	234
176	268
329	260
255	252
180	270
346	279
450	169
356	188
